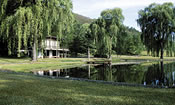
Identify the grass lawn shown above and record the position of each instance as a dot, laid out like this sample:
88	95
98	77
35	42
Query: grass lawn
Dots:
140	57
16	89
143	56
26	65
14	60
25	89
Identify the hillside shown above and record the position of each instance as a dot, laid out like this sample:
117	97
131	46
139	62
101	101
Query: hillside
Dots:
82	19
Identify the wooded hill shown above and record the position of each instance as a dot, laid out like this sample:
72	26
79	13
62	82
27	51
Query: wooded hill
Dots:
82	19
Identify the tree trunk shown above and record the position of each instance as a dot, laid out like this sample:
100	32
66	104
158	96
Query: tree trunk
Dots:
162	72
89	71
110	69
34	56
88	53
63	52
161	56
110	53
110	50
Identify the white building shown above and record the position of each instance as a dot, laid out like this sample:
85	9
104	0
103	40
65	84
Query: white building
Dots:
52	49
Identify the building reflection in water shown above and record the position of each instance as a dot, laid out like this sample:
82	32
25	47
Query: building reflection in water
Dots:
55	73
136	74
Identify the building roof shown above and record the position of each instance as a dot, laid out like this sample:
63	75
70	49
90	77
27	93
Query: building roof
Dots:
51	37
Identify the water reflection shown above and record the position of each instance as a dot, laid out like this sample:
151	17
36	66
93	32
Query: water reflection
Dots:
57	73
156	74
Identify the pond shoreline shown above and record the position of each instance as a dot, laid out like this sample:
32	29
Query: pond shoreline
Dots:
106	82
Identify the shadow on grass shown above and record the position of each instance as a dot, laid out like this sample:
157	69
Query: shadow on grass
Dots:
16	89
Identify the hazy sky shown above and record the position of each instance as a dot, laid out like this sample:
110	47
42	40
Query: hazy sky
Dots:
93	8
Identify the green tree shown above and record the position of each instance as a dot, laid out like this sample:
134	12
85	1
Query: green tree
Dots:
128	42
25	23
105	30
134	45
157	24
82	39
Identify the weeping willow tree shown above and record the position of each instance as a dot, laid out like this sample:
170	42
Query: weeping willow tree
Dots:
25	23
157	24
105	30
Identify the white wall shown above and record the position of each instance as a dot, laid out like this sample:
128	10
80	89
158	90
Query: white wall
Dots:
50	54
50	43
40	55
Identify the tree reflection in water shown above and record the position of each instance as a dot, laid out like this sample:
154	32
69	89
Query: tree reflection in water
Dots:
158	74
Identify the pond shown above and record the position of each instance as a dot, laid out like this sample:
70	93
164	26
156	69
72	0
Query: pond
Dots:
148	74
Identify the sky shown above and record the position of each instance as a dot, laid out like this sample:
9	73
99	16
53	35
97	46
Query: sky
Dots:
130	8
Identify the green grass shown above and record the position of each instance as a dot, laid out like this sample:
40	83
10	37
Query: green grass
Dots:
26	65
144	53
15	60
16	89
141	57
38	66
42	64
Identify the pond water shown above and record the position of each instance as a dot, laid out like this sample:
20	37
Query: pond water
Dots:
156	74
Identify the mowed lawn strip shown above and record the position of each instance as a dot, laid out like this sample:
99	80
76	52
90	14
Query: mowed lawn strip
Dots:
26	65
140	57
41	64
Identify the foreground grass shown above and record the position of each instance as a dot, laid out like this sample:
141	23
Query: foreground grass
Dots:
16	89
